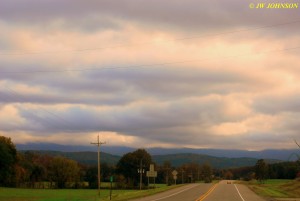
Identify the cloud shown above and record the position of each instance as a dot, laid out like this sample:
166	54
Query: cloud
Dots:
278	104
190	74
191	14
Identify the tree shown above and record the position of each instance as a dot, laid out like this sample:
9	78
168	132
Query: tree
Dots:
32	168
228	175
297	143
92	176
261	170
106	171
129	164
207	173
297	154
8	159
167	169
64	170
189	172
22	167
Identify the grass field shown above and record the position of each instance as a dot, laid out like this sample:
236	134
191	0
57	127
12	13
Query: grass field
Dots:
17	194
276	188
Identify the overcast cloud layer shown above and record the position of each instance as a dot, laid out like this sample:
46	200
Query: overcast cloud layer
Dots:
199	74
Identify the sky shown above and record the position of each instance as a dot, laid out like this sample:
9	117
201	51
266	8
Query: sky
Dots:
198	74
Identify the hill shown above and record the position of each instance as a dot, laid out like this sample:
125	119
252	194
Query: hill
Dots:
279	154
84	157
215	162
90	158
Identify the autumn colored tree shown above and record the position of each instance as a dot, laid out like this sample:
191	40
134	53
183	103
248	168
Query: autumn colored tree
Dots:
21	171
8	159
228	175
63	170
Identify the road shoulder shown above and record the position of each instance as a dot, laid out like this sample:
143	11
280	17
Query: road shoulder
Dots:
168	193
248	194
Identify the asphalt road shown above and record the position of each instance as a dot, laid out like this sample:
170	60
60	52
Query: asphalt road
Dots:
231	192
223	191
189	192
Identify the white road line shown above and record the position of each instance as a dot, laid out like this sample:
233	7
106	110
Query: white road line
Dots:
174	193
239	192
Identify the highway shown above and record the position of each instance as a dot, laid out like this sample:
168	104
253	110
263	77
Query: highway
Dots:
230	192
223	191
190	192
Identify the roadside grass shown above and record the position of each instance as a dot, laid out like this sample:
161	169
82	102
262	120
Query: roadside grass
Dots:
18	194
276	188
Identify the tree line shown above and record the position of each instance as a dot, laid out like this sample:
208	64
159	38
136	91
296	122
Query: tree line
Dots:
32	170
262	171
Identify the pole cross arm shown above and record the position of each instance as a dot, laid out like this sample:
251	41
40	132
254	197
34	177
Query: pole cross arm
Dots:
98	143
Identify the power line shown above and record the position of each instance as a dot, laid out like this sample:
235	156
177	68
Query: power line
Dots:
145	65
57	117
146	43
46	120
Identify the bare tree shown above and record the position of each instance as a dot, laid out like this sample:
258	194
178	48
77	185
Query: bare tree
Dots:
297	143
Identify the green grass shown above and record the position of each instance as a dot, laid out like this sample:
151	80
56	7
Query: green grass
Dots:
17	194
276	188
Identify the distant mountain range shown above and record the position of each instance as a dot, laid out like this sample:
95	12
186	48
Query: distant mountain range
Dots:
278	154
216	162
83	157
90	158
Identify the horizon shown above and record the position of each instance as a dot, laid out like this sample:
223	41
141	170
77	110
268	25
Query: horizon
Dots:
276	154
132	147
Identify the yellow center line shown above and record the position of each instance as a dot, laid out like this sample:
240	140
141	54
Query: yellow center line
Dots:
202	197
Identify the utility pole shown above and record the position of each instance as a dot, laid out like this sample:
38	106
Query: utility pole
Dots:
167	175
141	171
98	144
